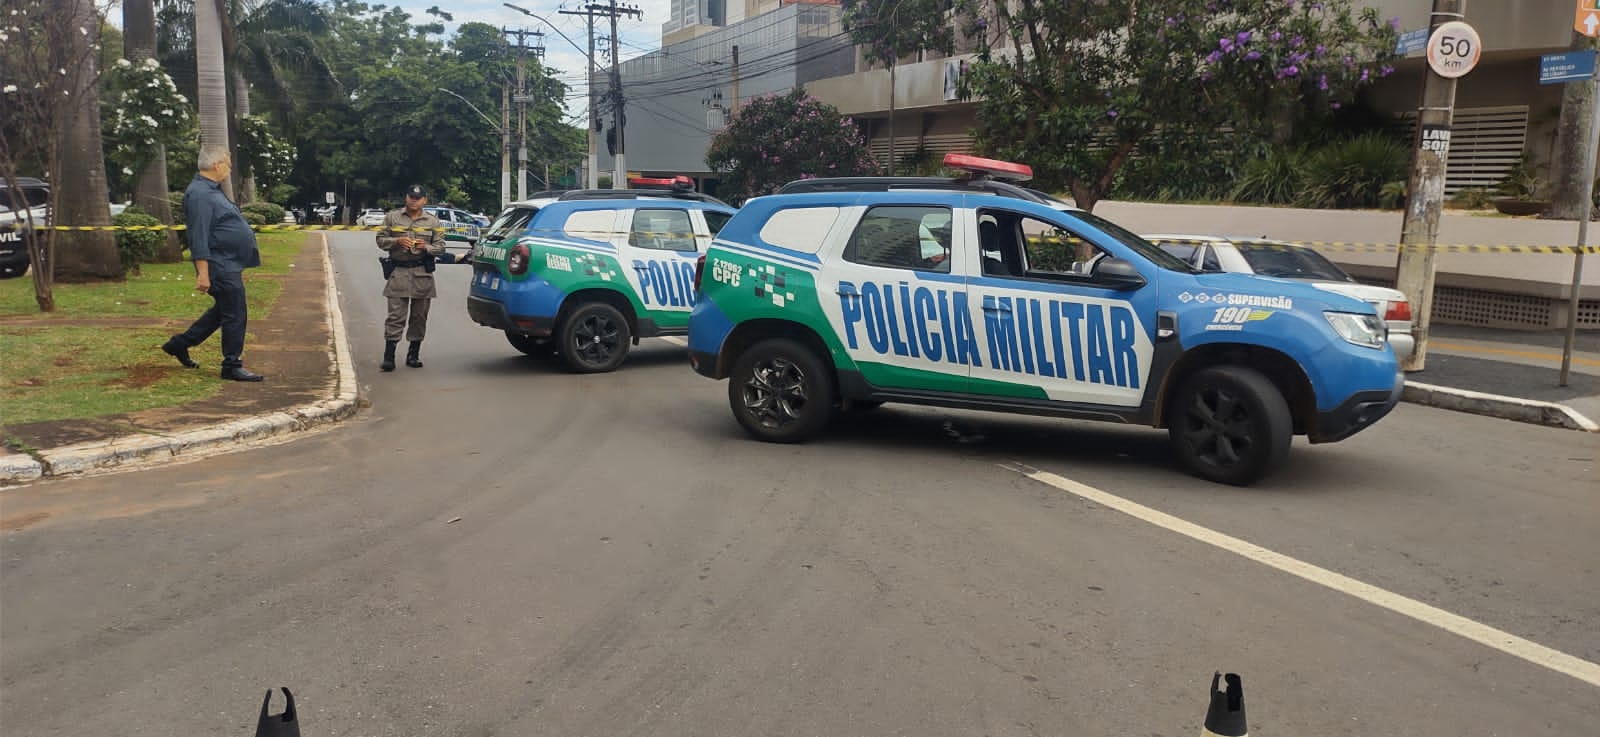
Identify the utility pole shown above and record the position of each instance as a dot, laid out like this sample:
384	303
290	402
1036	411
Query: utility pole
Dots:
593	171
522	97
505	143
733	105
1414	269
619	176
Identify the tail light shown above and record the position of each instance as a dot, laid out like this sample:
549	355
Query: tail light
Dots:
517	260
699	269
1399	311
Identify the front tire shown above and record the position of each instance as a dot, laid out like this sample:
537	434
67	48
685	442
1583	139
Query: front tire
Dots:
1231	425
594	338
780	391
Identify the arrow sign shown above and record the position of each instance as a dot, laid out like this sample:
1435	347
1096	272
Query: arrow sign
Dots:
1587	20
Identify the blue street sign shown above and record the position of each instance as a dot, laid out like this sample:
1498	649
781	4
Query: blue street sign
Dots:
1411	42
1571	66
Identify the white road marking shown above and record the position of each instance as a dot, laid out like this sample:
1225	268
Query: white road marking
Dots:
675	340
1505	642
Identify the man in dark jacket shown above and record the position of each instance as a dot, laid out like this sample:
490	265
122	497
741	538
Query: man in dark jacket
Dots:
413	239
222	247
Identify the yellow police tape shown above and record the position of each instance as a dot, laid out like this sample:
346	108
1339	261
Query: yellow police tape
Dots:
1314	245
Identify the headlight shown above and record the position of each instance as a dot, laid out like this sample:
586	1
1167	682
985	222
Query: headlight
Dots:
1363	330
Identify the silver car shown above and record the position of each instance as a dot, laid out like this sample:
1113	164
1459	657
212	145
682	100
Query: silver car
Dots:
1292	261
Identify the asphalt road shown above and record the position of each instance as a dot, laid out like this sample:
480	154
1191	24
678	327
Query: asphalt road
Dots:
499	548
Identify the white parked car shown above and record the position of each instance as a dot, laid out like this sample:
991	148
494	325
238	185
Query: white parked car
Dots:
1293	261
371	218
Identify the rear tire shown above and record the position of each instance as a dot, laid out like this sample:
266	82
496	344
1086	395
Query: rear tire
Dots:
531	345
780	391
594	338
1230	424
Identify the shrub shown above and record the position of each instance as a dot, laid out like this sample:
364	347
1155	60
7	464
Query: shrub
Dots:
1274	179
1392	196
1352	173
1474	198
270	213
254	217
137	246
176	198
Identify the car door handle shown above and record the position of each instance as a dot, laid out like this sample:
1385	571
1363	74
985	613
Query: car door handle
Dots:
995	308
843	293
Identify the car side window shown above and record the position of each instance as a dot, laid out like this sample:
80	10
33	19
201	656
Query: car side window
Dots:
1210	262
1053	251
902	237
715	220
1179	249
662	230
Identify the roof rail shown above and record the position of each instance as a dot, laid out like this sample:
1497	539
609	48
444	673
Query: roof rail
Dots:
885	184
633	194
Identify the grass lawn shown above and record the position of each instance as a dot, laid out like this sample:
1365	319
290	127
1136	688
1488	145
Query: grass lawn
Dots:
77	369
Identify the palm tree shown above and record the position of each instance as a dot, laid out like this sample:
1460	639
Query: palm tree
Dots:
211	77
81	194
150	188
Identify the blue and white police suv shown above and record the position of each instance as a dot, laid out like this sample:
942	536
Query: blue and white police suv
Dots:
973	292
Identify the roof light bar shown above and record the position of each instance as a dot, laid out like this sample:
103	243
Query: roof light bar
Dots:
994	168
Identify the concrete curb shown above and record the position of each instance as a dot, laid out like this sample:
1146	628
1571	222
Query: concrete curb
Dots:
137	451
1495	405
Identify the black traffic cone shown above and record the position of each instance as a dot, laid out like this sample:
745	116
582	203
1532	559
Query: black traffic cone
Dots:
1225	718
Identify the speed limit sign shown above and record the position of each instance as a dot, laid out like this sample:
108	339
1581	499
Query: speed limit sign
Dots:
1453	49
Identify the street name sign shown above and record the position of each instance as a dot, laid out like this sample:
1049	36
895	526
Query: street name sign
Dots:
1570	66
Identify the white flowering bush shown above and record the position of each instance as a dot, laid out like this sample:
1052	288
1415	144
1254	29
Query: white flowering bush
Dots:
140	109
262	154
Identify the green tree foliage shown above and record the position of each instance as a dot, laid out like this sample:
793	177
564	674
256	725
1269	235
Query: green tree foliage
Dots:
263	154
779	138
1097	81
889	29
137	246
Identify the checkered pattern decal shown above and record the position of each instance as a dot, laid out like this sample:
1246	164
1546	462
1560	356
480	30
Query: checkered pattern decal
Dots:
591	266
770	281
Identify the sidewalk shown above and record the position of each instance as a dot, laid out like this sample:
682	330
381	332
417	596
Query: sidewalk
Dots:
1510	374
302	349
299	346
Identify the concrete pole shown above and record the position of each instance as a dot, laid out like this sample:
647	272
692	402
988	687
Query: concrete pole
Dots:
1414	270
619	178
733	105
1585	212
522	124
505	144
594	116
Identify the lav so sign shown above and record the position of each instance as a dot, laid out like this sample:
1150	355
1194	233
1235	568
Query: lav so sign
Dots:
1436	138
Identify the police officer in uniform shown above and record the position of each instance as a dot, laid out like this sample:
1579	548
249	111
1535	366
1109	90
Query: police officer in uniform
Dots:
413	238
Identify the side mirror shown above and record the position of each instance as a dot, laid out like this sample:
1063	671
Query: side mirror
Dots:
1118	274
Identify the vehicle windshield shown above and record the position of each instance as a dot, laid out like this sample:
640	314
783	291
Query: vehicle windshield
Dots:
510	222
1132	240
1289	262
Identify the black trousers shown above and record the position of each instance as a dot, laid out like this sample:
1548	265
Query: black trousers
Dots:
229	312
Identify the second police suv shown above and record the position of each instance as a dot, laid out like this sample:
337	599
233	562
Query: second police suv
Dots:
584	274
977	293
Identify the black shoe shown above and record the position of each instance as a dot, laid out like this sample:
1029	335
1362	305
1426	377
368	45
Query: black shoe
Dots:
180	353
388	355
241	374
411	355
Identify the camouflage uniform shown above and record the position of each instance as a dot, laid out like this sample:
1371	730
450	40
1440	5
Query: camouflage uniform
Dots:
410	286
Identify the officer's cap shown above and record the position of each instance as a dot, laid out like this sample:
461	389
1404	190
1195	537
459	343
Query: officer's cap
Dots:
416	191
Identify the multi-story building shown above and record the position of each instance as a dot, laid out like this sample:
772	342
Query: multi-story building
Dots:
678	97
1501	113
